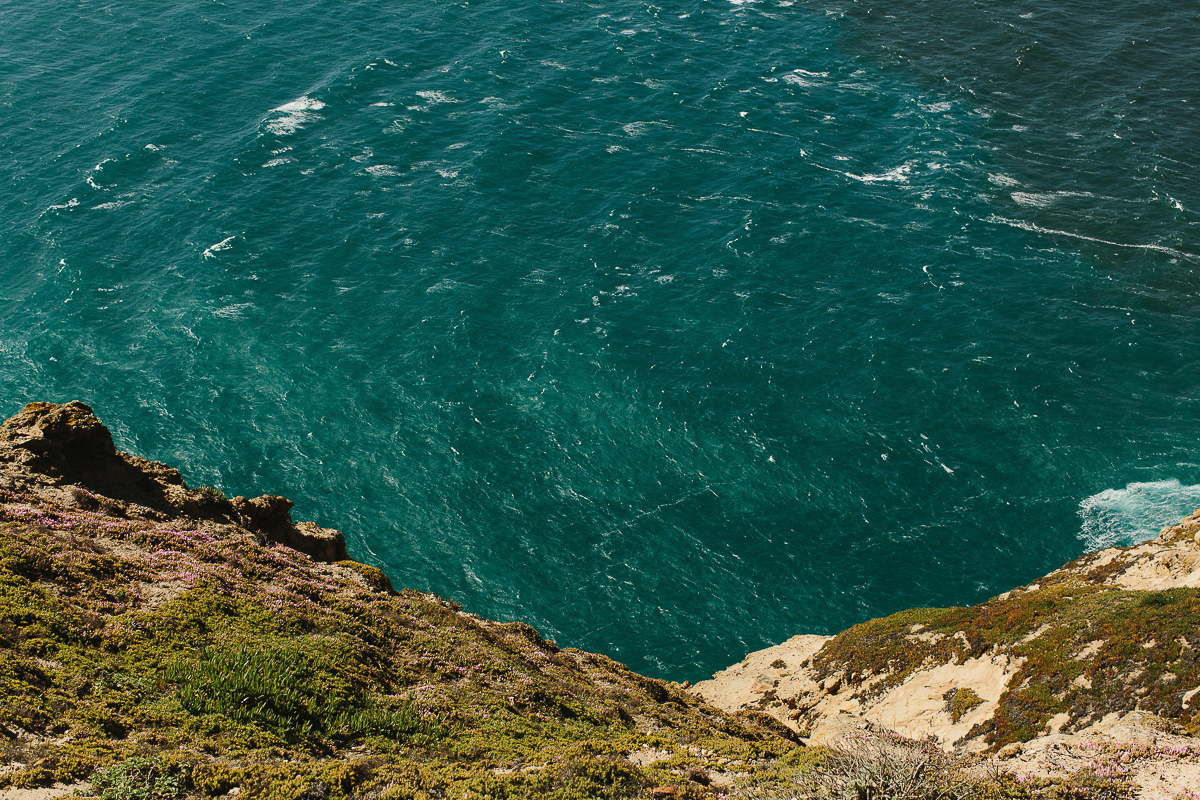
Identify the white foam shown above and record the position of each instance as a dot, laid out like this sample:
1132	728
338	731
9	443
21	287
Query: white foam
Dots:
637	128
1002	180
232	311
275	162
302	103
894	175
211	251
1029	226
1042	199
444	285
292	116
384	170
1034	199
801	77
1122	517
436	97
498	103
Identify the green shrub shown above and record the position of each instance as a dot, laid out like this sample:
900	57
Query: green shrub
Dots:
291	692
213	492
960	701
141	779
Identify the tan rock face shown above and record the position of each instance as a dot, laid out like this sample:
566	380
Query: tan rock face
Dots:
1090	637
918	708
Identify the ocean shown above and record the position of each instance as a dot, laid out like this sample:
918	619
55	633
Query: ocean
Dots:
673	330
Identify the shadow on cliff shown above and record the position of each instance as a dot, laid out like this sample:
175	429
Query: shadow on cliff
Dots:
48	447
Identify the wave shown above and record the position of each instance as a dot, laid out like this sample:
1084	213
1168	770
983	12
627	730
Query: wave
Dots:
1135	514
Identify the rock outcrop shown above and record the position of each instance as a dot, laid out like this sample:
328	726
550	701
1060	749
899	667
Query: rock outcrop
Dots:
63	453
1058	664
167	639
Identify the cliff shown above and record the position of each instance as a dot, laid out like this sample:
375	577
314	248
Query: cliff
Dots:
1100	655
163	641
159	641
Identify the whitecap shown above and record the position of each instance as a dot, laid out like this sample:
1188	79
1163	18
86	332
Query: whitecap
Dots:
275	162
292	116
1034	199
1135	514
444	285
384	170
802	77
232	311
1002	180
211	251
436	97
638	128
1029	226
894	175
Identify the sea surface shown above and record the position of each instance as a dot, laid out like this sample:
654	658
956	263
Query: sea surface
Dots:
672	329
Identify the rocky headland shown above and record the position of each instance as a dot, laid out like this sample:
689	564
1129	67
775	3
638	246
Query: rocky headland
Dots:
162	641
1097	662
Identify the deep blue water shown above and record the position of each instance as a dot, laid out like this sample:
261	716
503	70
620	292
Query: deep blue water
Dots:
673	330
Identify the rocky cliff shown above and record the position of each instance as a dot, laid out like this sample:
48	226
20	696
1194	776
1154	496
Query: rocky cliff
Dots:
160	641
1104	651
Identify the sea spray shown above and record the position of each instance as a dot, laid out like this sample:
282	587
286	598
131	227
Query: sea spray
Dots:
1122	517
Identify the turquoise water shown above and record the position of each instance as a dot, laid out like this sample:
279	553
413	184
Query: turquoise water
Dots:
672	330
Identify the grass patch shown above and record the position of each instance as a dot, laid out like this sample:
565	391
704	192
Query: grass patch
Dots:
292	689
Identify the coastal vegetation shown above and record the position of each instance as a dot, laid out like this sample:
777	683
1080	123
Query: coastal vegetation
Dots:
173	643
1086	649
